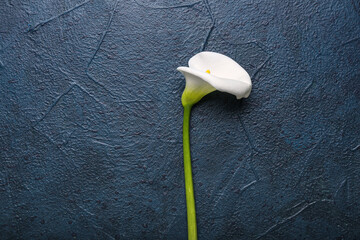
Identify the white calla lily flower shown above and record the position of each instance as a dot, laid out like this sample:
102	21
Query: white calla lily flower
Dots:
207	72
210	71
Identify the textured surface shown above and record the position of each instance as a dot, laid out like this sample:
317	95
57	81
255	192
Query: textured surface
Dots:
90	120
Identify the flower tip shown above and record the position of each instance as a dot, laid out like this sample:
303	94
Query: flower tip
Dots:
246	94
182	69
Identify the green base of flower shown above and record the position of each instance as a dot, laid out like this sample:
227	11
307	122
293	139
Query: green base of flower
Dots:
192	96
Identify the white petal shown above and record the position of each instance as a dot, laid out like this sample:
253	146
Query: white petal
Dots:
219	65
199	79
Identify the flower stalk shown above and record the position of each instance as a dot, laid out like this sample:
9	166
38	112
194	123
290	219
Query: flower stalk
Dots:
189	187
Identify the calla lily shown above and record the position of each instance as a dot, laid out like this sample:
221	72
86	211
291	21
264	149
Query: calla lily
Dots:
207	72
210	71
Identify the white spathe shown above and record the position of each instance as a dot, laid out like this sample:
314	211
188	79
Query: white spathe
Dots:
225	75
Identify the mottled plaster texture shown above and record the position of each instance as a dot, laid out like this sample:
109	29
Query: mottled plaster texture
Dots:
91	120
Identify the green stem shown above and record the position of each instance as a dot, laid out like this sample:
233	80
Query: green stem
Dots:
189	189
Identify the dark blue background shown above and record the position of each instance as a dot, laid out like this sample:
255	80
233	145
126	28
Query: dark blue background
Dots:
91	120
